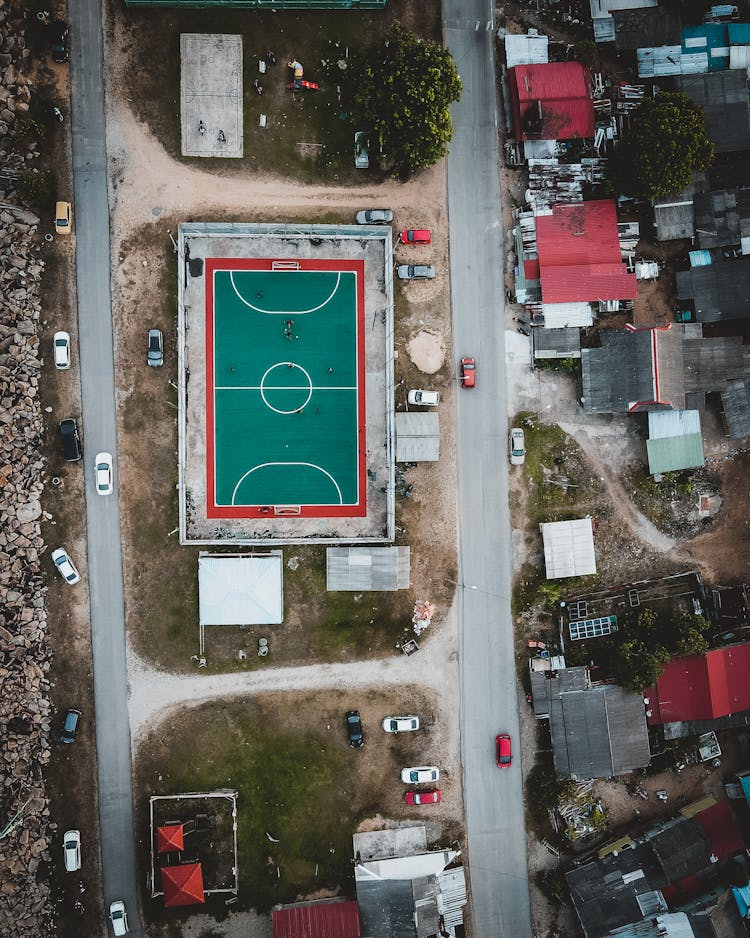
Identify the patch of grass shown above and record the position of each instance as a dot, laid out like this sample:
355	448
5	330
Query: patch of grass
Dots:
319	39
303	787
558	477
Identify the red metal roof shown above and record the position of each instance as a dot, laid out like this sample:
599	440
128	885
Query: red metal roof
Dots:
579	254
720	827
182	885
317	920
562	90
702	687
169	837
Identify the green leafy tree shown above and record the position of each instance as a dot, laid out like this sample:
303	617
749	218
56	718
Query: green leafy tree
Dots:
35	189
402	93
692	642
639	665
665	143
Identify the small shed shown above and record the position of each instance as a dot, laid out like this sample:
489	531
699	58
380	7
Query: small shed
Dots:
367	568
525	50
417	437
674	441
322	918
674	217
240	589
568	548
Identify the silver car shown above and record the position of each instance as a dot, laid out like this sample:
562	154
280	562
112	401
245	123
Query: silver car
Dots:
415	272
155	355
374	216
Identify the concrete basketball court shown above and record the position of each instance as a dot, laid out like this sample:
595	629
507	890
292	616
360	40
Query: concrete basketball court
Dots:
211	95
252	343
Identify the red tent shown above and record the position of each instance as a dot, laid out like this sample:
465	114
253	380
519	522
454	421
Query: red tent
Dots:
182	885
169	837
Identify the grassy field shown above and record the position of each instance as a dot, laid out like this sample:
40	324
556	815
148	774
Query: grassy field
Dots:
296	779
309	135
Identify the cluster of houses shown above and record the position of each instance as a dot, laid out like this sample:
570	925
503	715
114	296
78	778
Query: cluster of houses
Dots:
576	258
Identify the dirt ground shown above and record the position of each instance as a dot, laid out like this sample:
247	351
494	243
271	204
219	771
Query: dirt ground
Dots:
151	192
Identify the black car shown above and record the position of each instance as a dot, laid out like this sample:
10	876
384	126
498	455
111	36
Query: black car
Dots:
354	729
59	45
71	441
70	726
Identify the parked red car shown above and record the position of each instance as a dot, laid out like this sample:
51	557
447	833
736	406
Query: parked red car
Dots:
503	755
468	372
415	236
431	796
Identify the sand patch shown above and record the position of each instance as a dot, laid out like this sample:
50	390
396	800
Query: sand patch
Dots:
427	351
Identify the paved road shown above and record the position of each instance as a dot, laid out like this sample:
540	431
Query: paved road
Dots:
91	220
489	698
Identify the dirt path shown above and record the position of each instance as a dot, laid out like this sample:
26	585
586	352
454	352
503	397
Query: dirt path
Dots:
147	183
638	523
154	693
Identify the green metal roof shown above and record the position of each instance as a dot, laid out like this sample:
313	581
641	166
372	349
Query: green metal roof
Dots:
671	453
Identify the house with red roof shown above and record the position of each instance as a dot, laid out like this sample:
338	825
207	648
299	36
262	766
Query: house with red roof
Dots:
323	918
699	693
551	101
579	254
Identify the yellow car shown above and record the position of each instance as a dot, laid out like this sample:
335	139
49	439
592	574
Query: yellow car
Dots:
63	218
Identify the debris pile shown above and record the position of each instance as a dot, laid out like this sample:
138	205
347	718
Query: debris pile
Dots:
25	828
422	617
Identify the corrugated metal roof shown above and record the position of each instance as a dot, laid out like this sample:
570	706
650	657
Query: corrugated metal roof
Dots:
568	548
601	15
724	96
739	34
525	50
713	38
739	56
653	26
671	454
236	589
579	254
674	217
558	94
721	291
735	399
702	687
722	216
666	423
322	919
556	343
659	61
367	568
562	315
417	437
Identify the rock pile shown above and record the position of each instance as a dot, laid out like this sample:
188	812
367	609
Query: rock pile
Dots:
24	652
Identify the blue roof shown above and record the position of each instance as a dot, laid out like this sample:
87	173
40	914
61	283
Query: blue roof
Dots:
739	34
745	782
711	38
742	898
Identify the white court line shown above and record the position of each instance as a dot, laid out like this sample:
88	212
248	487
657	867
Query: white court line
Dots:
287	312
280	387
309	465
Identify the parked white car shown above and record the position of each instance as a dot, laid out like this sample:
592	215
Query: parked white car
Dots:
517	447
400	724
61	342
72	850
118	917
103	469
424	398
65	566
420	773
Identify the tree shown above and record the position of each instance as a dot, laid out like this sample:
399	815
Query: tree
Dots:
640	665
402	93
664	145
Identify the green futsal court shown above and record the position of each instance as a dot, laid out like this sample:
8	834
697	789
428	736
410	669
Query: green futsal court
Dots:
285	388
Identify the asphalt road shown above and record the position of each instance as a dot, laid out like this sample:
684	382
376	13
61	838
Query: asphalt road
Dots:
489	698
91	224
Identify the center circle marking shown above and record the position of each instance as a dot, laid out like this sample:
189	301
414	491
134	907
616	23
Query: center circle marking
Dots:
267	372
